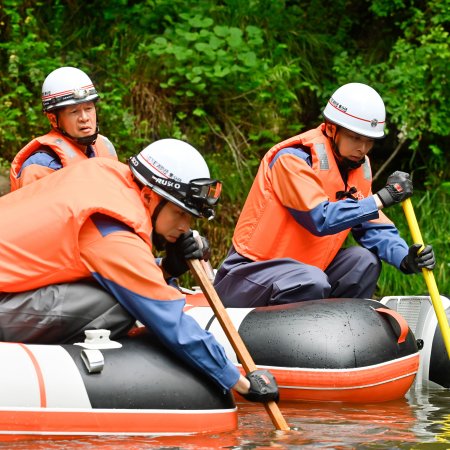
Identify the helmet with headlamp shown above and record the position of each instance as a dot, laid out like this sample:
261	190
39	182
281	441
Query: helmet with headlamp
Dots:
67	86
177	172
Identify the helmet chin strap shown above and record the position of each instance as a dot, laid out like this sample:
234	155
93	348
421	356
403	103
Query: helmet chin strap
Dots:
349	164
344	163
158	240
86	140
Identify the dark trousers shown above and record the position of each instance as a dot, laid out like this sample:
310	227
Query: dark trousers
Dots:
60	313
242	283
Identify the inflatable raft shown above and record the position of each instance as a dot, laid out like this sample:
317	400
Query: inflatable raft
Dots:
134	387
349	350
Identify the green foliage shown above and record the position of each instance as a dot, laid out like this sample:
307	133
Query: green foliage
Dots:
198	56
24	59
412	79
216	76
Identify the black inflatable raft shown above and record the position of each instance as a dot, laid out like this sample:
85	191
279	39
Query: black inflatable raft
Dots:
353	350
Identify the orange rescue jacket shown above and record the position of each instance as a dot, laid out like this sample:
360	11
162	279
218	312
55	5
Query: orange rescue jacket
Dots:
266	228
66	150
31	255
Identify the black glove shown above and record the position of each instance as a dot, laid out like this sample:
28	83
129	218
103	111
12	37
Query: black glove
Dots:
398	187
414	263
263	387
206	249
185	247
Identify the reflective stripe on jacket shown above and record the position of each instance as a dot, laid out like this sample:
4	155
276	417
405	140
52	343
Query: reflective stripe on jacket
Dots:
67	152
277	218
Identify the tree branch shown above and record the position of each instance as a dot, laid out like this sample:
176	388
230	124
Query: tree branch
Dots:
394	153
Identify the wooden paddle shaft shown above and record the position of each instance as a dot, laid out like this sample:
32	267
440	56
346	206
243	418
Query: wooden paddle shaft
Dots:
428	275
233	336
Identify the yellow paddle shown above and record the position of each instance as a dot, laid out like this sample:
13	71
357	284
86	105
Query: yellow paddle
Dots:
428	275
233	336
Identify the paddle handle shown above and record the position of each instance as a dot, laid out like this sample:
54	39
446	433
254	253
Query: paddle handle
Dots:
233	336
428	275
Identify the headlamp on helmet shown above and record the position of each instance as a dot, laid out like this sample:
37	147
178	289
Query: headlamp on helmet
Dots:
67	86
78	95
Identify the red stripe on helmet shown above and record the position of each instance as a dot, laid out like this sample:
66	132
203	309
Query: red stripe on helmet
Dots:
58	94
351	115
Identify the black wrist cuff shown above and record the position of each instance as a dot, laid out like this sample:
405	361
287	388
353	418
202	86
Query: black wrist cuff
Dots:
404	267
385	197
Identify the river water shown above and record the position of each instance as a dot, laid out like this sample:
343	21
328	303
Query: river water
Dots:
419	421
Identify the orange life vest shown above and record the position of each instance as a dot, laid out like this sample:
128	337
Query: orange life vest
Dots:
267	230
39	249
66	150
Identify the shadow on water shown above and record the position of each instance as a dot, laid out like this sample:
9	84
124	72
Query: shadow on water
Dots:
420	421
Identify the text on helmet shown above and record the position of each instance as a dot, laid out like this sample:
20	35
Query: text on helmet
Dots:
160	168
167	183
337	105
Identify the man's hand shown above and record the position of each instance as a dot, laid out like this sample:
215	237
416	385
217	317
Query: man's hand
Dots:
414	262
398	187
185	247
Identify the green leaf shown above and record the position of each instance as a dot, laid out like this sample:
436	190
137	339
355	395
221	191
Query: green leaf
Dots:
248	58
199	112
235	38
221	31
200	22
436	150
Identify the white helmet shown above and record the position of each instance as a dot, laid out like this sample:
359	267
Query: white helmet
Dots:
177	172
67	86
358	108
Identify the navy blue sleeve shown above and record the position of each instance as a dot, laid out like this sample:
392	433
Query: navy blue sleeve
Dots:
383	239
43	158
328	217
178	331
332	217
124	265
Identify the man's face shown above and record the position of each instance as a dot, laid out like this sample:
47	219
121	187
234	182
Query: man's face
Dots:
77	120
351	145
172	222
